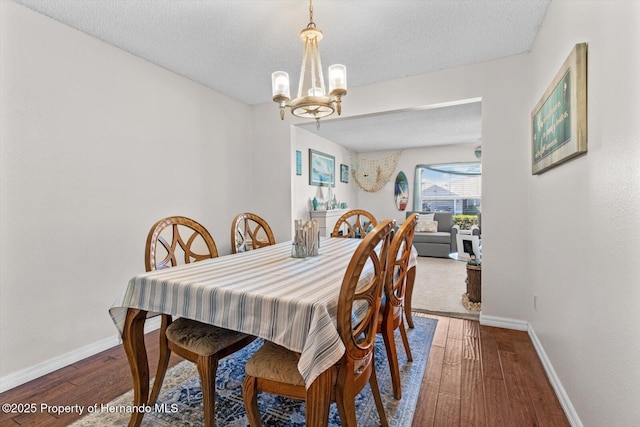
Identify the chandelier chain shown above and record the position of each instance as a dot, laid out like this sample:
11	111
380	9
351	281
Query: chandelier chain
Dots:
311	23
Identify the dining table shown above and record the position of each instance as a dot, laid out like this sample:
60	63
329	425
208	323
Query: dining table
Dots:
266	293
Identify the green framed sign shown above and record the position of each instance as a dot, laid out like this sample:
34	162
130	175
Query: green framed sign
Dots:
559	120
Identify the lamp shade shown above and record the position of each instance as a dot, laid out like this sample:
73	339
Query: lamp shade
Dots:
337	77
280	84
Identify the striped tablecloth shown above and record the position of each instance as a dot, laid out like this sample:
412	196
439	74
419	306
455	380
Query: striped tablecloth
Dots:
265	293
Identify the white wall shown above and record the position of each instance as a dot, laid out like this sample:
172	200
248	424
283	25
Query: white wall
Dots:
584	224
382	203
96	145
272	163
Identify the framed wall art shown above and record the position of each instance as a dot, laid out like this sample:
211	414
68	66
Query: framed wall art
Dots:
322	169
559	120
298	162
344	173
468	247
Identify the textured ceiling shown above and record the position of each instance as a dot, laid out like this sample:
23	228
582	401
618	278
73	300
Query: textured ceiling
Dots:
233	46
454	124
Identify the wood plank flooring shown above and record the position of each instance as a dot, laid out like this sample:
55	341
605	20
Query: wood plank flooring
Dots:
484	376
476	376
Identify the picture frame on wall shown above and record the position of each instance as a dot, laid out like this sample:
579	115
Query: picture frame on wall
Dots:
559	120
322	169
344	174
298	162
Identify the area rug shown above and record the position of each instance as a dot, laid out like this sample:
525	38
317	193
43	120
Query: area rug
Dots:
180	401
439	288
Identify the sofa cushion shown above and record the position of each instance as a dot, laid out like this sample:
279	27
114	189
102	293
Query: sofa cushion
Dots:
445	221
438	237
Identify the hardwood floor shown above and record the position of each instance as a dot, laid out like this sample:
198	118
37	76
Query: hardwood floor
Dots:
476	376
485	376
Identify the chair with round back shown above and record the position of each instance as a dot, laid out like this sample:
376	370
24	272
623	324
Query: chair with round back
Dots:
392	308
249	231
200	343
273	369
354	224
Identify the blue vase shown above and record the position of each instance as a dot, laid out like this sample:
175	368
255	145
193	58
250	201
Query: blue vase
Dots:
315	203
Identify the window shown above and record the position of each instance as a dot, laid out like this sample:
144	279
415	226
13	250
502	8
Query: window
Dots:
450	187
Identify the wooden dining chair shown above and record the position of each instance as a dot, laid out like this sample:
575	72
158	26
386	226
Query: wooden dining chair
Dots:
392	308
184	241
249	231
274	369
354	224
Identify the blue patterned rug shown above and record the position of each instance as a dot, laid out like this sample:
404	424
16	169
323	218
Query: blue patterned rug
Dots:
180	402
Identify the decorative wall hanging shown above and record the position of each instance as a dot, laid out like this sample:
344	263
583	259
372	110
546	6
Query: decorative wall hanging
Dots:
559	120
344	174
478	152
298	163
401	191
322	169
372	174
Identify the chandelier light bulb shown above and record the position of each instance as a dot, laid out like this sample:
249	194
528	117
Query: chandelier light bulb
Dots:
280	84
337	77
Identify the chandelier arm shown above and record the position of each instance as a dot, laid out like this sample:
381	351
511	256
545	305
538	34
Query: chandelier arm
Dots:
303	67
314	65
319	65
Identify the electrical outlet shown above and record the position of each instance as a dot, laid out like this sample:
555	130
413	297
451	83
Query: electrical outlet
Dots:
535	301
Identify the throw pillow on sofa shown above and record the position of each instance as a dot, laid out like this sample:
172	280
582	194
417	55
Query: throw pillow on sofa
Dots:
426	217
427	226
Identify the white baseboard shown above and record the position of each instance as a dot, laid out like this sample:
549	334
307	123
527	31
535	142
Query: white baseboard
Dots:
503	322
565	402
18	378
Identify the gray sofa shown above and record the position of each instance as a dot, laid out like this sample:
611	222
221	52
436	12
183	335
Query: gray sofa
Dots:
437	244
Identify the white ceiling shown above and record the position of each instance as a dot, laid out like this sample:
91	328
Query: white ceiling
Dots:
441	125
233	46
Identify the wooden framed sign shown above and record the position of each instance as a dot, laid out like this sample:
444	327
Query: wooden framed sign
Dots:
559	120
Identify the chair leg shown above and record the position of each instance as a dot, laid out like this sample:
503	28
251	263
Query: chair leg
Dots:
342	412
163	360
375	389
411	278
392	357
345	399
405	340
207	367
250	397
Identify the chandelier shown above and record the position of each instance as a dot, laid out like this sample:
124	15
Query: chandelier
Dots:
312	101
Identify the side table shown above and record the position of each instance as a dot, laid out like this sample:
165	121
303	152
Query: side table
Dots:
472	298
